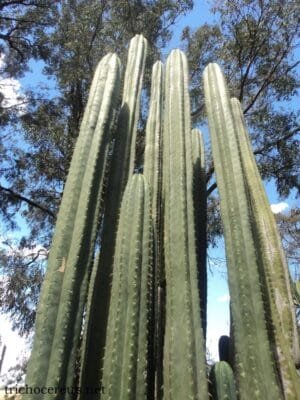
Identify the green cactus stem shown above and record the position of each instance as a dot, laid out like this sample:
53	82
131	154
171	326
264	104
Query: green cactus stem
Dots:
152	172
273	268
122	166
222	383
254	363
200	211
73	241
153	156
184	355
126	369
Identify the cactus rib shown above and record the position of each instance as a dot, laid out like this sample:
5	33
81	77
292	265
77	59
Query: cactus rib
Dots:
121	168
200	210
77	220
272	266
125	370
184	359
152	172
222	383
255	365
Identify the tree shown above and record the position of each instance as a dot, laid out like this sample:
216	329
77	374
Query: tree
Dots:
253	41
289	229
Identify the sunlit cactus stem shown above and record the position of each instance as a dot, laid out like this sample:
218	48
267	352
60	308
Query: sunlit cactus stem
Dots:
184	355
126	367
273	268
222	383
74	236
255	366
121	168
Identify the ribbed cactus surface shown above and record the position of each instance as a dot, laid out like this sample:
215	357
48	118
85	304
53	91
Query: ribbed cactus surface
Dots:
136	313
184	354
222	384
122	166
273	268
126	367
254	361
200	211
71	252
153	174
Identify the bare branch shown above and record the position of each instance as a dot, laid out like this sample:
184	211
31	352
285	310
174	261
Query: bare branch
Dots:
28	201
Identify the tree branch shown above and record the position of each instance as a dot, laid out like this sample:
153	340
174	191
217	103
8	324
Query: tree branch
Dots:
277	141
197	112
28	201
211	189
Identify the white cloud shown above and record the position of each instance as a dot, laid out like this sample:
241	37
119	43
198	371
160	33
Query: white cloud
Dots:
279	207
224	299
11	91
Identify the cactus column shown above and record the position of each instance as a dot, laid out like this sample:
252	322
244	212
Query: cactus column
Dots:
273	268
222	383
73	243
126	360
152	172
200	211
122	166
184	353
254	362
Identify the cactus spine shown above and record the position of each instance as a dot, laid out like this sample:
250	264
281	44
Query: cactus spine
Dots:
255	366
222	382
122	166
73	241
272	265
184	357
125	371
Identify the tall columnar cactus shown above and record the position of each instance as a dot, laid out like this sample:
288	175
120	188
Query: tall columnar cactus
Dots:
126	367
273	268
152	172
222	383
184	354
122	166
153	145
145	312
254	362
58	322
200	210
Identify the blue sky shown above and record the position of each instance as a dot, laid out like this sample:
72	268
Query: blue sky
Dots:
218	295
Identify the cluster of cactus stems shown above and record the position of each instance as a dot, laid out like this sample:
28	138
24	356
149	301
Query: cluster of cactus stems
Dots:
129	316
